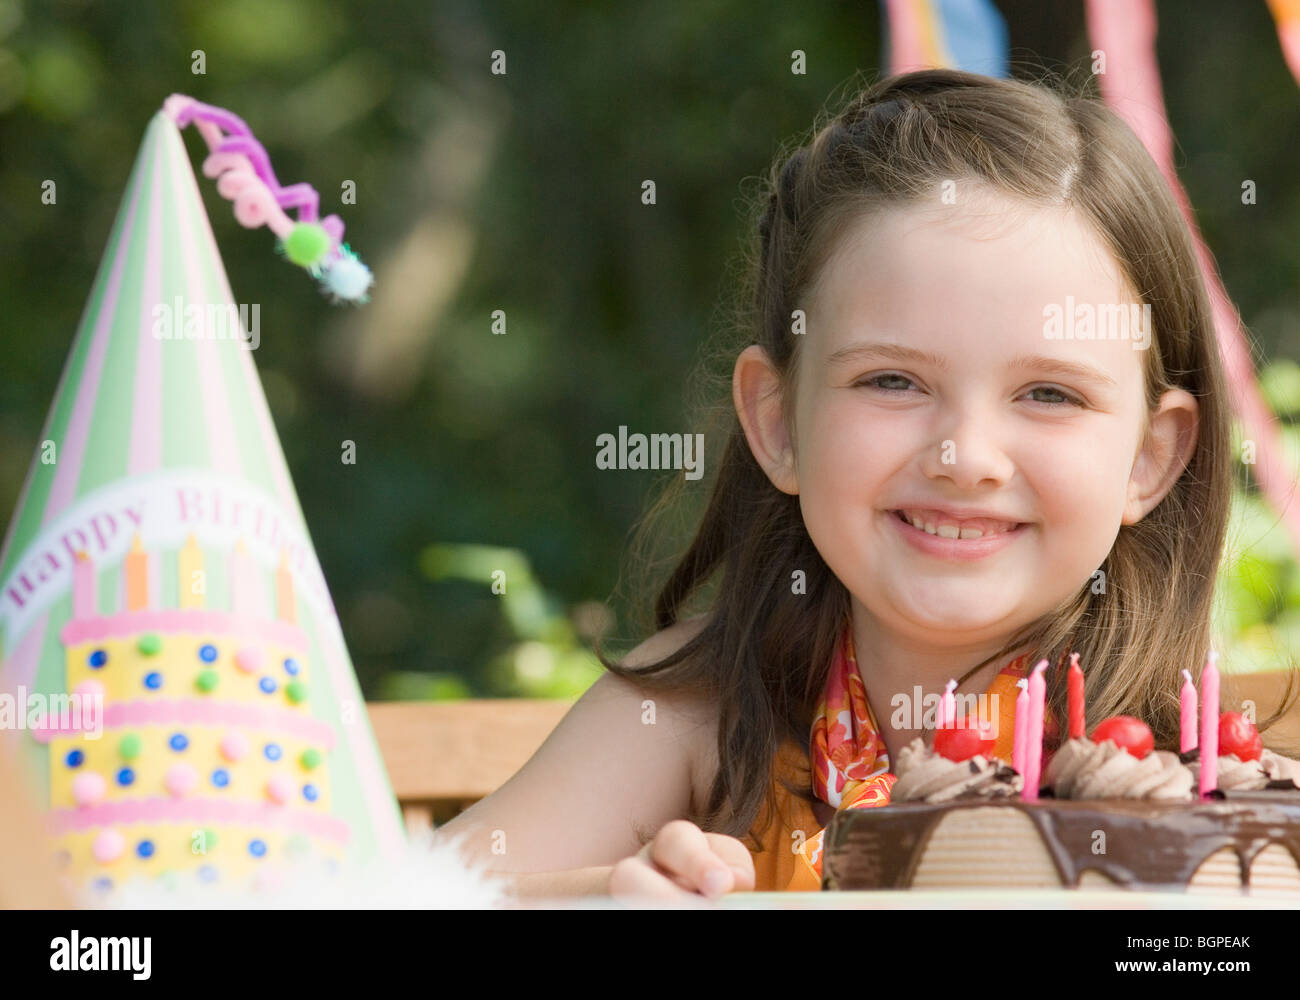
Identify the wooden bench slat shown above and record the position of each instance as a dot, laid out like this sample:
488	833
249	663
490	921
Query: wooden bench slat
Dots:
460	749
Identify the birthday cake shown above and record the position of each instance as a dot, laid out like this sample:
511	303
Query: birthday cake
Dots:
195	749
1111	813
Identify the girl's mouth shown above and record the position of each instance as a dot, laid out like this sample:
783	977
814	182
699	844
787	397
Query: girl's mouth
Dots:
936	523
956	543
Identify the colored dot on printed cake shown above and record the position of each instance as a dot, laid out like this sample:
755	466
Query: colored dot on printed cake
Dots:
107	846
153	680
128	747
178	742
125	777
180	779
280	788
74	758
97	659
234	746
267	684
144	849
257	848
207	681
220	778
89	689
88	788
208	653
291	666
149	644
249	659
272	751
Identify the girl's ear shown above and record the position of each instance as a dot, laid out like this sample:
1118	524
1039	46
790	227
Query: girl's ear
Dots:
755	388
1170	442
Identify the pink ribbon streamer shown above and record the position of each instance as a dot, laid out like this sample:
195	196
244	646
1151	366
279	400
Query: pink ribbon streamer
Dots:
1125	30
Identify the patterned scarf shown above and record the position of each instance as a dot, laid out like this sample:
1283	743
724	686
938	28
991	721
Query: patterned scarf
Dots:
849	760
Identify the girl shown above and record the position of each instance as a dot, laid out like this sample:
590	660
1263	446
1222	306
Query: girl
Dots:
933	469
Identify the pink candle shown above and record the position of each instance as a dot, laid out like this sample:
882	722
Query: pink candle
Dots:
1022	720
947	713
83	587
1210	725
241	582
1034	733
1187	728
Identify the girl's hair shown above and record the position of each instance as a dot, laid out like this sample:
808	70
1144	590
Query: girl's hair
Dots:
764	652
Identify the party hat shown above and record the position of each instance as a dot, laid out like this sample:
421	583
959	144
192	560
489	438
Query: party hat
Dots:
172	671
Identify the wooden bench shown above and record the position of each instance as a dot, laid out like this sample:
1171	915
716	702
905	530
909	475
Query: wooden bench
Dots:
443	756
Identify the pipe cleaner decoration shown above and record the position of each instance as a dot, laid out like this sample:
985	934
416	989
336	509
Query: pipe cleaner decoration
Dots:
244	176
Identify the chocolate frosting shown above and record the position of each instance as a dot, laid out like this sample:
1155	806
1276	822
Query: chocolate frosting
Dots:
1151	844
1235	774
1081	769
926	776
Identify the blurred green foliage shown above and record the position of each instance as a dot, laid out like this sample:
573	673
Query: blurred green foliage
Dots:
521	193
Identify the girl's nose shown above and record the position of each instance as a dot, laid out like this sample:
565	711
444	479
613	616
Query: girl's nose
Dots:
970	455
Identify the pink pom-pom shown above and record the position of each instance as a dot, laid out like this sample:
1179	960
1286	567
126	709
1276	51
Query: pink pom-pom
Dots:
88	788
180	779
280	788
249	659
108	846
234	746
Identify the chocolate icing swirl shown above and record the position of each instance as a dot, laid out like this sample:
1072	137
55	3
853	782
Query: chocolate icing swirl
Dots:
1235	774
925	776
1081	769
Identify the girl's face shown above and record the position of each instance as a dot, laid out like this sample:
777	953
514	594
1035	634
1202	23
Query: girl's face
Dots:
928	383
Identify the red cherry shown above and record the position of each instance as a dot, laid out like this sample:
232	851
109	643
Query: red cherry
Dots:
1237	734
1128	733
966	739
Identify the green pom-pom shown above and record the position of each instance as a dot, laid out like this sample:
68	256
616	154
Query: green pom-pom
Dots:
310	759
207	681
297	692
306	244
149	644
128	747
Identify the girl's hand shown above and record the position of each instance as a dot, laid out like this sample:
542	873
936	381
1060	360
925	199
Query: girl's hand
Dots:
684	861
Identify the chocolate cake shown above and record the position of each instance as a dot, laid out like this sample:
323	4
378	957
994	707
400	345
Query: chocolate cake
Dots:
1104	819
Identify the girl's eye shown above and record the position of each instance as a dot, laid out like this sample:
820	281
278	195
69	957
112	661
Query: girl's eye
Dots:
874	382
1066	398
879	382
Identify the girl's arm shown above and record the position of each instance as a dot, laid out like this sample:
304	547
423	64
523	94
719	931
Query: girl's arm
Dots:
620	760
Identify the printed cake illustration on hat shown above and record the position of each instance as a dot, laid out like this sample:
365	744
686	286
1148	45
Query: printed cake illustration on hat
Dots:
176	679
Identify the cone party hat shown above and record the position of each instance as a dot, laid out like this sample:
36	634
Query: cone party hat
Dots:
172	672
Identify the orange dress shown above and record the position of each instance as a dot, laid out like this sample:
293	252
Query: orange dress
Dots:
780	866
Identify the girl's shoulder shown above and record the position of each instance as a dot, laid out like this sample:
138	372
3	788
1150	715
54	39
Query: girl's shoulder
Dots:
692	716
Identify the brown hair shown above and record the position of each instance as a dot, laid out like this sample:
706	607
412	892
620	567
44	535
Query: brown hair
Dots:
764	652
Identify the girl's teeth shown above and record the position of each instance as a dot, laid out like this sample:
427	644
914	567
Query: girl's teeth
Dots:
946	530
